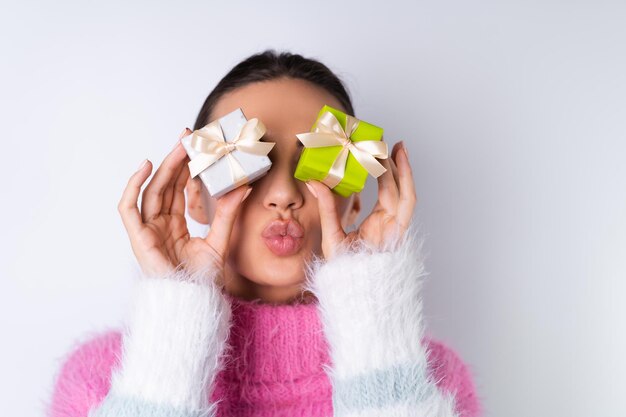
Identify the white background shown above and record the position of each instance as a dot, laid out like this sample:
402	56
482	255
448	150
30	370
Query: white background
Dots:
514	114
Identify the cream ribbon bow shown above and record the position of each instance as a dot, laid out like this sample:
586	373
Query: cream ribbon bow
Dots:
212	145
328	132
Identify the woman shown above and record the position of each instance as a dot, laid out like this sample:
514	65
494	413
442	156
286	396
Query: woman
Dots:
278	311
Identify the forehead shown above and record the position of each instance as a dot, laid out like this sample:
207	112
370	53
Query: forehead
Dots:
286	106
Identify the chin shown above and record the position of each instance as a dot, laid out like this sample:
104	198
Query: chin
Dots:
272	270
281	271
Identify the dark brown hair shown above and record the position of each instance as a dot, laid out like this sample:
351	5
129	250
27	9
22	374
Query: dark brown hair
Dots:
269	65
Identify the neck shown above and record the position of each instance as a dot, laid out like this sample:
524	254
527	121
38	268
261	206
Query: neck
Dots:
241	287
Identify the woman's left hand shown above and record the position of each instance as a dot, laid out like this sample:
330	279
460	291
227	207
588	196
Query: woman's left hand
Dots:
389	219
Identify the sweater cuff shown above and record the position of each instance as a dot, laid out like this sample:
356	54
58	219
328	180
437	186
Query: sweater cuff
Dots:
370	305
172	347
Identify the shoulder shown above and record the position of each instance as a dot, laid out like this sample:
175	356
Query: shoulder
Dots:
84	378
452	374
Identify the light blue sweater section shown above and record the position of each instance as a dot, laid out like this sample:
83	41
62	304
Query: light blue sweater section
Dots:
119	406
403	384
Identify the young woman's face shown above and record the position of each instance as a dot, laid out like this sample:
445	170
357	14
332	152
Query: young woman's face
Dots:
254	269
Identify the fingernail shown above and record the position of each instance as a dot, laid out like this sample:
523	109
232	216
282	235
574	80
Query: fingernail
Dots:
406	151
183	133
310	187
247	194
143	164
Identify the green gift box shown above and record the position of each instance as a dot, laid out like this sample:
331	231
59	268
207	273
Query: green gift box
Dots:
316	162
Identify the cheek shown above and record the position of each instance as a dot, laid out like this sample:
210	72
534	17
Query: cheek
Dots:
240	232
244	244
310	219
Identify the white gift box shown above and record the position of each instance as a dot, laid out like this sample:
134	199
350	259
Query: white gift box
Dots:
218	177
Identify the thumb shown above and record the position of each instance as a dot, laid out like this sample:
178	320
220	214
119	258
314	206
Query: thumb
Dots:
226	212
332	231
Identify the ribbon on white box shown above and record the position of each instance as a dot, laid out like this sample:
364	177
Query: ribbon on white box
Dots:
223	139
212	145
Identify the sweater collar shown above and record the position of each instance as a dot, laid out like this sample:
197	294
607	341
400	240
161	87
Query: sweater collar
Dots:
274	342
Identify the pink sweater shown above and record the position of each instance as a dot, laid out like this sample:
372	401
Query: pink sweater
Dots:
277	363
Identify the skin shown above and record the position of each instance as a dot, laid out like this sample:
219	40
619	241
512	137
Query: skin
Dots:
247	268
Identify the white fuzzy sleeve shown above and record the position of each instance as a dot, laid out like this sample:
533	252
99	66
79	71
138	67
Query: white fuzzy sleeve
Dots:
370	304
172	349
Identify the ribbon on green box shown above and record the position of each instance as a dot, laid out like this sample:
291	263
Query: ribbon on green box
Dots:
341	151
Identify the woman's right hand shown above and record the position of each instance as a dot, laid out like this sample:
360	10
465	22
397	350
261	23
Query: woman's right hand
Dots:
158	232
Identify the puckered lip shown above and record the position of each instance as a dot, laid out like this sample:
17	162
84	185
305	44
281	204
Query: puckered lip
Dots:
283	227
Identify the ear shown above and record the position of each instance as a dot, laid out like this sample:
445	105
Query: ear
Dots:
198	204
353	210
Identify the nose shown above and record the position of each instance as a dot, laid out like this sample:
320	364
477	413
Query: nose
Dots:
281	189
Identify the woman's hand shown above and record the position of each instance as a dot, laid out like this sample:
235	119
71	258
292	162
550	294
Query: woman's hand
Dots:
389	219
158	233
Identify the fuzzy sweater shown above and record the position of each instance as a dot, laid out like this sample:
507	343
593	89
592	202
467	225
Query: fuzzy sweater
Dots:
191	350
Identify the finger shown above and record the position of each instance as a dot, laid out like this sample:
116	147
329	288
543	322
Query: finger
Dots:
408	195
127	206
226	212
152	200
178	202
170	190
332	231
393	163
387	188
